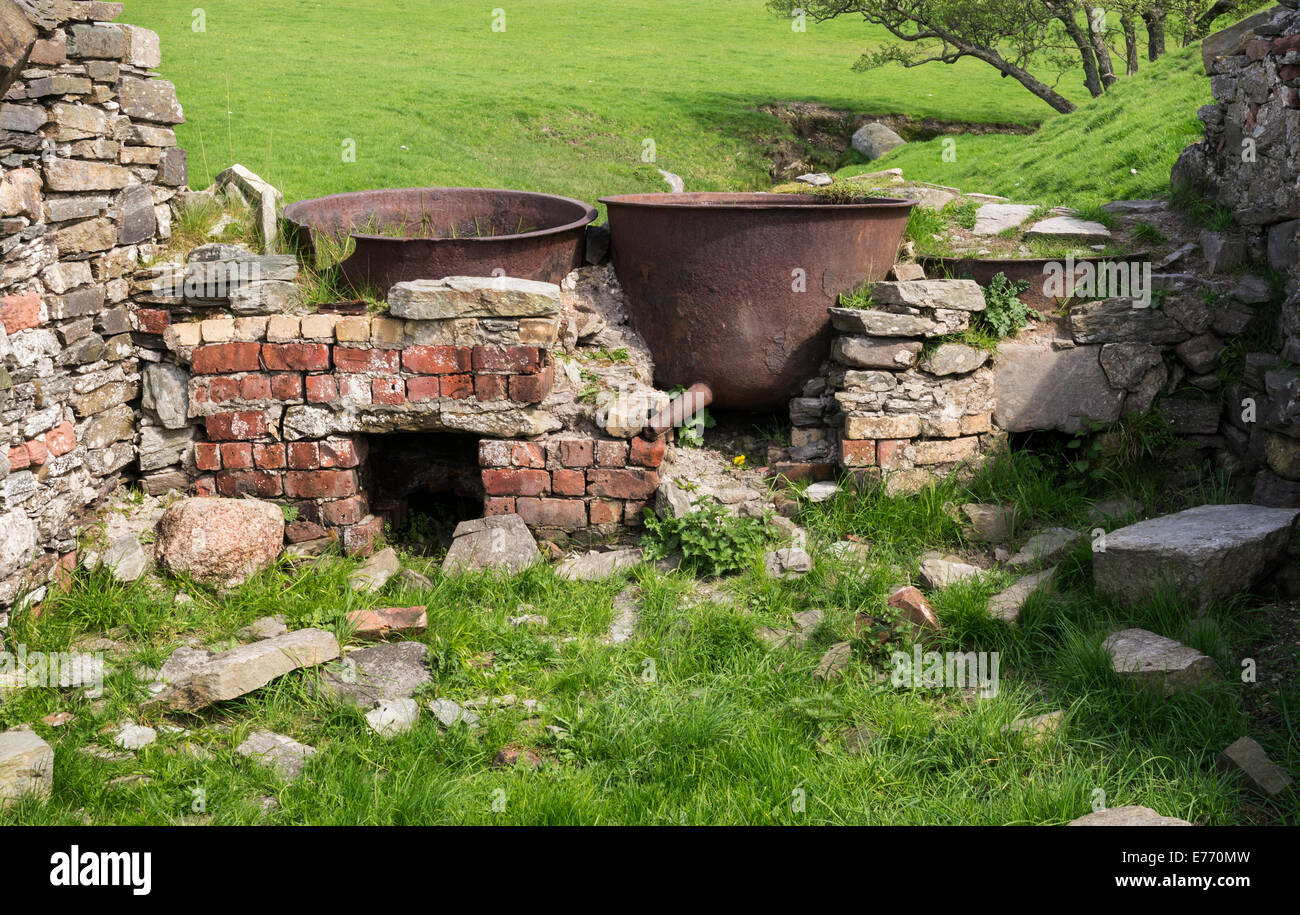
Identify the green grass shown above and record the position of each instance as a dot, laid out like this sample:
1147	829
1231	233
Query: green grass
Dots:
1119	146
695	721
560	102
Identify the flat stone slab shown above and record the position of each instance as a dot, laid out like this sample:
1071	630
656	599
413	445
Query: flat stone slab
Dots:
1045	545
1038	387
995	218
374	573
26	766
596	565
788	562
627	608
1006	605
393	716
937	572
1155	661
1127	816
371	675
473	297
1069	228
959	295
498	542
1204	554
989	522
1262	775
883	323
241	670
451	713
276	751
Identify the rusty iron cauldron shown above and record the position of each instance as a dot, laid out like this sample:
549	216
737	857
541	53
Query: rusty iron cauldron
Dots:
731	290
432	232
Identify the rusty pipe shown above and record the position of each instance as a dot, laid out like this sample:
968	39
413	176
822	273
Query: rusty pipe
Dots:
686	404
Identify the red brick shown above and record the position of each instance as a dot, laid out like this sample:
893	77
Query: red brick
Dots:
491	387
494	452
205	485
367	359
247	482
803	471
61	439
304	455
223	389
359	539
269	457
568	482
286	386
611	453
498	505
296	357
436	360
516	482
513	360
419	390
302	531
565	514
858	453
37	453
606	512
532	388
388	391
379	622
152	320
343	512
199	390
341	452
18	459
19	312
322	389
223	358
889	454
239	426
320	484
646	453
207	456
577	452
457	387
622	484
237	456
528	454
355	388
255	387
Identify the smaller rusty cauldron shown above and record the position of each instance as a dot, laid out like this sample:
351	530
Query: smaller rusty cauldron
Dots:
731	290
434	232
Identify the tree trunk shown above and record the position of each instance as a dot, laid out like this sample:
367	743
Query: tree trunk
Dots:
1101	49
1130	44
1026	79
16	39
1206	19
1091	77
1155	21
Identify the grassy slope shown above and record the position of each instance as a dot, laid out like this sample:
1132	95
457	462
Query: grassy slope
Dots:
1119	146
559	102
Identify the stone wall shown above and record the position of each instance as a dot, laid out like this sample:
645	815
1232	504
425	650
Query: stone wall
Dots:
1249	163
89	166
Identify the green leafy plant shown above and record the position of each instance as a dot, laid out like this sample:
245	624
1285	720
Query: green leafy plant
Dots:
1004	314
711	541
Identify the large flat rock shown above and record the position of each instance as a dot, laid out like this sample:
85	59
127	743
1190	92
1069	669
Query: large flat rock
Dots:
1204	554
371	675
498	542
1037	387
1127	816
993	218
1154	661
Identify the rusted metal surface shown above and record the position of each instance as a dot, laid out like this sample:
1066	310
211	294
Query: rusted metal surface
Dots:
429	233
731	290
686	404
1035	271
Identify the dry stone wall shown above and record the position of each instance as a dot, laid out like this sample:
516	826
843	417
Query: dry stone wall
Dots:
90	165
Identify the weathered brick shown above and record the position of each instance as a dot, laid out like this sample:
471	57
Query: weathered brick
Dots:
493	453
237	456
516	482
223	389
803	471
436	360
564	514
646	453
528	454
354	388
388	391
255	387
498	505
20	312
207	456
282	328
152	320
513	360
611	453
577	452
532	388
18	459
248	482
891	454
296	357
630	483
37	453
238	426
303	455
286	386
538	331
342	452
205	485
568	482
421	389
61	439
352	329
322	389
320	484
222	358
367	359
604	511
858	453
457	387
491	387
343	511
269	456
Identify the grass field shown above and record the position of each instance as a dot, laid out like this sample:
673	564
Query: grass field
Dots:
695	720
561	101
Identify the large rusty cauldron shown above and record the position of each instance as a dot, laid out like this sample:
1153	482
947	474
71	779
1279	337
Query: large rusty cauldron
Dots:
731	290
432	232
